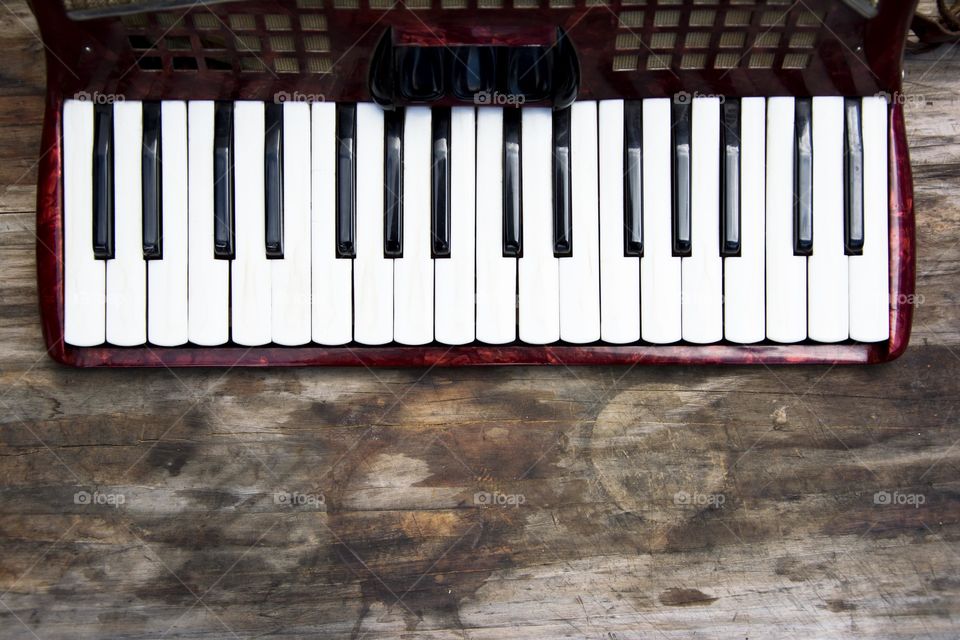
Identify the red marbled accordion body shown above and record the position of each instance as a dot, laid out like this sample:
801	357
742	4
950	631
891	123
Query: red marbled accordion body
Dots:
857	57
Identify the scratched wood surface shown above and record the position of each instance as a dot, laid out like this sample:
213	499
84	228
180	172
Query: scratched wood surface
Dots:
503	503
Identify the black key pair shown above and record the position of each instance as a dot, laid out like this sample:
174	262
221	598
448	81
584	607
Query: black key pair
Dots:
513	184
852	172
103	182
223	188
346	215
730	120
439	184
223	161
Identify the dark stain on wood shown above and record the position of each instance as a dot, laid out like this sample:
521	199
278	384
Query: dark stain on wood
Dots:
170	456
840	606
680	597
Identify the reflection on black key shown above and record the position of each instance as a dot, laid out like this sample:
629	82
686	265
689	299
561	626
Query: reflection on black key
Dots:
151	183
346	181
440	181
681	178
853	178
562	210
273	180
730	184
633	178
803	179
223	246
422	73
103	182
512	238
393	183
474	72
529	72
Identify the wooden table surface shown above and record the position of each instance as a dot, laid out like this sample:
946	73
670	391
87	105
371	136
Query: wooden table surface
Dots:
808	502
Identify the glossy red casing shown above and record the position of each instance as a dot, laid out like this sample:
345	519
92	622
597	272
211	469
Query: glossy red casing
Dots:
853	56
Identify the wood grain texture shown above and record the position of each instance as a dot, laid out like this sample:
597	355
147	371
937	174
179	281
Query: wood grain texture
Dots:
620	531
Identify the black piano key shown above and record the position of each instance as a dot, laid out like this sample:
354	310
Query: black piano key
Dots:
633	178
151	183
803	179
565	81
440	183
730	184
273	180
346	180
512	212
682	244
473	75
562	209
223	227
422	71
382	75
103	182
853	178
529	72
393	183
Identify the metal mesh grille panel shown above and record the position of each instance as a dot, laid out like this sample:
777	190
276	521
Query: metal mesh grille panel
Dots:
663	35
651	35
232	42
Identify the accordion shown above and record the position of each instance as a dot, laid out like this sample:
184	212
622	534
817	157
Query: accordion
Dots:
461	182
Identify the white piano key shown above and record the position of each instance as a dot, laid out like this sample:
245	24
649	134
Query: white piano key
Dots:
209	278
332	281
538	271
84	277
660	271
496	275
455	275
744	315
827	275
413	273
167	306
619	274
580	273
702	271
250	300
290	276
870	272
372	273
127	272
786	273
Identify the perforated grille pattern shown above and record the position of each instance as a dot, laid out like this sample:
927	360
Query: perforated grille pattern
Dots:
652	35
232	42
662	35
